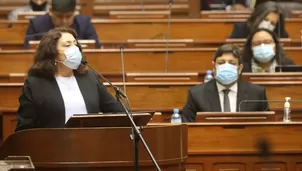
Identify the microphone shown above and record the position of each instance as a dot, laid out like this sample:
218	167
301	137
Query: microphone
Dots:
116	89
123	66
262	101
142	5
168	35
136	133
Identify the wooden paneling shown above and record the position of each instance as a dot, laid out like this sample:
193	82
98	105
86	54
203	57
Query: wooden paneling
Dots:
225	14
196	29
136	60
139	14
158	96
92	149
236	146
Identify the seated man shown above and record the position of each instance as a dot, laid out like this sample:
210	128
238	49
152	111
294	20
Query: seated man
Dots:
34	5
61	14
226	91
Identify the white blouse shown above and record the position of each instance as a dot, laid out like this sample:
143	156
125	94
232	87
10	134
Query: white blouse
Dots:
73	100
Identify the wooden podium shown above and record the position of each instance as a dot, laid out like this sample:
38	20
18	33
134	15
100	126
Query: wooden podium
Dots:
107	149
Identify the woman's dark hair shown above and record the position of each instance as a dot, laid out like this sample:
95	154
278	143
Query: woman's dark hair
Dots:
248	52
46	53
259	14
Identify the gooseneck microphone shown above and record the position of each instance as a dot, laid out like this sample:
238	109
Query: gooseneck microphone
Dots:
168	36
123	67
256	101
138	136
263	101
116	89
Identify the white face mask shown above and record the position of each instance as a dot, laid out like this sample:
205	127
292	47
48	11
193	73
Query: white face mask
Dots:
73	57
267	25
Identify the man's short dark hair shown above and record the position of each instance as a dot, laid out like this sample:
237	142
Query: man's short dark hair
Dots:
63	6
228	48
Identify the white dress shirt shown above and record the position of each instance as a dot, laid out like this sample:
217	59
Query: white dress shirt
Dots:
73	100
232	96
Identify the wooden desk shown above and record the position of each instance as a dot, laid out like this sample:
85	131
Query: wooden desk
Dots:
136	60
234	146
92	149
220	14
196	29
157	43
159	95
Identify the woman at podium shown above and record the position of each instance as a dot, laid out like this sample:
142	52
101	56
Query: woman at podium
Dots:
59	85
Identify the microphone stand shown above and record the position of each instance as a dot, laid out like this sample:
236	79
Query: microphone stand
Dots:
142	5
119	94
168	36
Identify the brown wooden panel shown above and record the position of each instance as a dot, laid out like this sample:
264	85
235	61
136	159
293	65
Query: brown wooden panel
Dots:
85	44
196	29
225	14
101	9
235	146
136	60
9	122
157	96
111	150
139	14
270	166
229	167
235	117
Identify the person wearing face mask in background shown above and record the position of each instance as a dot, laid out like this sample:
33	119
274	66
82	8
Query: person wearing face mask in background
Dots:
267	15
62	13
263	52
226	91
58	85
33	6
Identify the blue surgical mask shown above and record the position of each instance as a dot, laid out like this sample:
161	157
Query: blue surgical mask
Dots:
226	73
264	52
73	57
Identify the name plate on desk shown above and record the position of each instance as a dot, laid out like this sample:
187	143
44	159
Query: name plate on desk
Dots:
235	116
108	120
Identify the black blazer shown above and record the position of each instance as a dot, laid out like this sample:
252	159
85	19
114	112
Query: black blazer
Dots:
42	105
247	66
241	31
205	98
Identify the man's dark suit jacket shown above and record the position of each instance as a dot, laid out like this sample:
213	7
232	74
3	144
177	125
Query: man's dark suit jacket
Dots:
241	31
205	98
42	24
42	105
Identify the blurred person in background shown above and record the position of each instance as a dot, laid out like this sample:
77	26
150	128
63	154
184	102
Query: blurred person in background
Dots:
267	15
62	13
33	6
